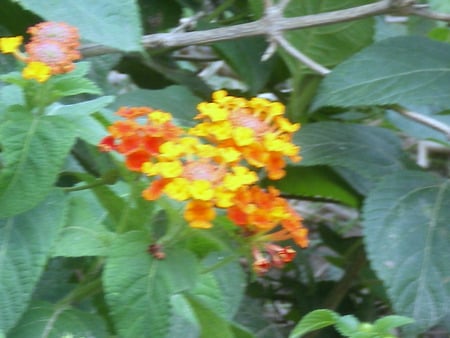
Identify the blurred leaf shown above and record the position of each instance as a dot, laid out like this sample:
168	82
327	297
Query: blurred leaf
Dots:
406	232
440	6
177	100
441	34
318	182
314	320
72	83
211	324
331	44
385	324
347	325
25	243
229	281
33	151
183	321
244	57
113	24
84	233
79	116
138	287
52	321
371	152
403	70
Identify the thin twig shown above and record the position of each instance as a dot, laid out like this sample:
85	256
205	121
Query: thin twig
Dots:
259	27
425	120
317	67
425	13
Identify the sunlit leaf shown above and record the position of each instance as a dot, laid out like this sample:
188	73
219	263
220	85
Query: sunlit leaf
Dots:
314	320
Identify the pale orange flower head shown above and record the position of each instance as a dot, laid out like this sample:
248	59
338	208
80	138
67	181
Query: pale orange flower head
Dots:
56	55
55	31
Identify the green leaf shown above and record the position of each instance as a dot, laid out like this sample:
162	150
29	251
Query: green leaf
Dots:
177	100
114	24
224	286
317	182
406	232
244	56
183	321
25	243
68	85
385	324
79	116
371	152
11	95
34	149
314	320
402	70
211	324
347	325
329	45
50	321
138	287
84	234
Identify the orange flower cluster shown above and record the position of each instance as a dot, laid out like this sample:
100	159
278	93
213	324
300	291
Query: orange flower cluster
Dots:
52	49
214	165
139	143
260	214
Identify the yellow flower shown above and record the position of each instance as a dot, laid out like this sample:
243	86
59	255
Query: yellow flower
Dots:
201	190
178	189
170	169
38	71
241	176
10	45
243	136
159	117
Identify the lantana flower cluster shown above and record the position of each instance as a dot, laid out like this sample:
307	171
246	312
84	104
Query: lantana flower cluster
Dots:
216	165
51	49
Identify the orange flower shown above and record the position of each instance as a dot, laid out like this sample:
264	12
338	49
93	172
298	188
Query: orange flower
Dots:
199	214
139	143
265	217
255	127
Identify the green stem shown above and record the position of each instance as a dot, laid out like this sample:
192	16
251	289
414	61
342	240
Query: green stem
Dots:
134	189
220	9
82	291
176	224
358	261
101	181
